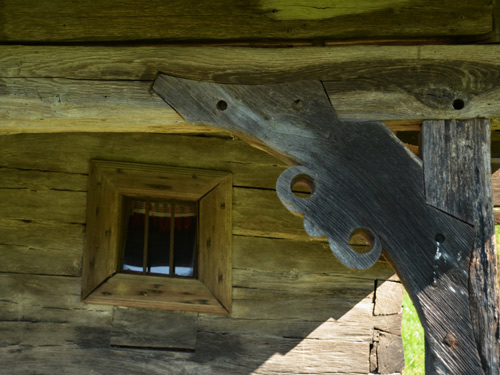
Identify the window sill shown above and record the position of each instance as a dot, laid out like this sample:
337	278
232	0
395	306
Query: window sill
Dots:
156	292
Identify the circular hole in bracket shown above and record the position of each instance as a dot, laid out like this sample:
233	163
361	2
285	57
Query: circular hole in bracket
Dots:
458	104
302	186
439	238
361	240
221	105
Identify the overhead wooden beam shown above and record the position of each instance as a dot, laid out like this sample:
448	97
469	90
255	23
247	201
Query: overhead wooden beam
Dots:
253	20
106	89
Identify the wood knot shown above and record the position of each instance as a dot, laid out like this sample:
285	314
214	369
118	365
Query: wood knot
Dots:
450	340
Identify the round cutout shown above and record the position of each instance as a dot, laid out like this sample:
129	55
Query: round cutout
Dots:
302	186
361	240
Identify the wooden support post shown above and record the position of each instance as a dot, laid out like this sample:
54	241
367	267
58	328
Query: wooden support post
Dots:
458	181
363	177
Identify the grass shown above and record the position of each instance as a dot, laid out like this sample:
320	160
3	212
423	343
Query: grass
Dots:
413	339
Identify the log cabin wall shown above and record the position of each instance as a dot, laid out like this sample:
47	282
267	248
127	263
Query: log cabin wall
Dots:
74	86
295	308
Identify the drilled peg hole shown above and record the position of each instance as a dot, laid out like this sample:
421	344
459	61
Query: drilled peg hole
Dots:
439	238
302	186
298	105
361	240
458	104
221	105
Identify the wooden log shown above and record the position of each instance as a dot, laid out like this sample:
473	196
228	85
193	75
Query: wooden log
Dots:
273	355
52	248
36	298
268	304
18	360
392	75
390	355
143	328
249	21
388	298
250	167
457	175
16	334
286	258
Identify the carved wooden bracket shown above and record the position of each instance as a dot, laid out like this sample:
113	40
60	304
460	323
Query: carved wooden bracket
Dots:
363	177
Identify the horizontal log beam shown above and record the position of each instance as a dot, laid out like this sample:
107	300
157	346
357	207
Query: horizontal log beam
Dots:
252	20
60	89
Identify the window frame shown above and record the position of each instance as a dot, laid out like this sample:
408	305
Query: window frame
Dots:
102	283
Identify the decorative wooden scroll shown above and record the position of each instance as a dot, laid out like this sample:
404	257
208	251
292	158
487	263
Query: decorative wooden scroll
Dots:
362	177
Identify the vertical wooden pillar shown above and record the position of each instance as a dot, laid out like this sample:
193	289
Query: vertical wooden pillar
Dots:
458	181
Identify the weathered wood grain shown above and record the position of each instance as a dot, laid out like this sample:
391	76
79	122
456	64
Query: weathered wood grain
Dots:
267	304
71	359
363	82
47	105
289	118
253	20
458	181
71	153
495	186
291	259
61	105
24	204
18	334
143	328
50	248
51	299
388	297
390	356
283	355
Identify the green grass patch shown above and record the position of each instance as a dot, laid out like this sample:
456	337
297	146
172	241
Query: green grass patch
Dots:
412	333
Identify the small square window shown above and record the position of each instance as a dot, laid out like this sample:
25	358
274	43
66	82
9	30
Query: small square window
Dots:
158	237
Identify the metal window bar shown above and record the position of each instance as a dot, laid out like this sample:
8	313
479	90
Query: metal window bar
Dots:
172	240
146	239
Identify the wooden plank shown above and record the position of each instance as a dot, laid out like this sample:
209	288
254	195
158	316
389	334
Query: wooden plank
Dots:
284	355
49	105
392	75
260	213
32	21
250	167
62	105
155	292
388	298
266	304
390	355
457	175
287	261
51	248
48	299
215	245
39	334
143	328
17	360
355	326
24	204
495	185
13	178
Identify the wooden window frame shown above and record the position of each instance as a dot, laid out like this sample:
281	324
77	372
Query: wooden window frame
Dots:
102	283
